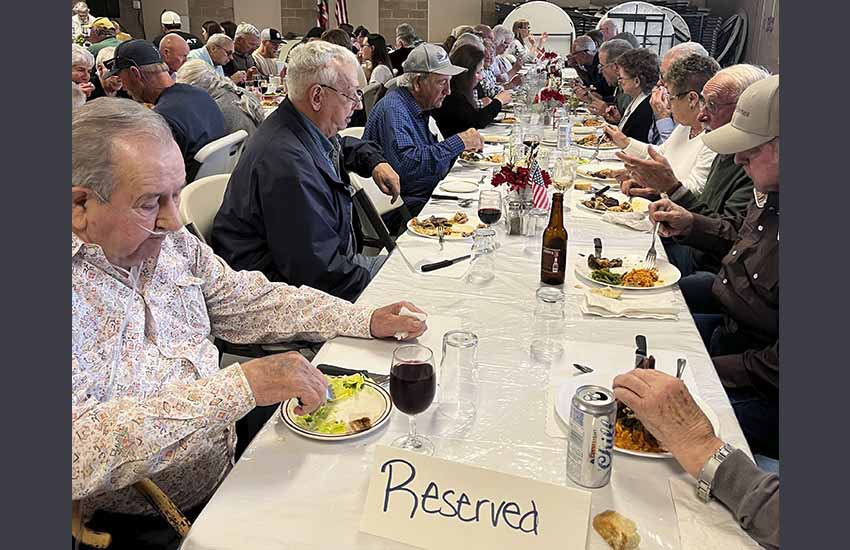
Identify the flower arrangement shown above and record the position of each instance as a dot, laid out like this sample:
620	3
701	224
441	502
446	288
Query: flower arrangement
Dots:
549	99
518	177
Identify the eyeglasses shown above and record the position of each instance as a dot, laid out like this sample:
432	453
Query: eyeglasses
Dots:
228	53
683	94
606	65
578	52
356	101
126	63
711	106
623	78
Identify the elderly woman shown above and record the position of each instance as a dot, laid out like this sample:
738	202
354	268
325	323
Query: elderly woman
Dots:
689	157
638	73
106	87
82	62
504	69
241	109
524	46
459	111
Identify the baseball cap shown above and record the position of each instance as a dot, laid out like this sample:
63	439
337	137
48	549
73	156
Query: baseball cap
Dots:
754	122
102	23
170	18
430	58
271	34
132	53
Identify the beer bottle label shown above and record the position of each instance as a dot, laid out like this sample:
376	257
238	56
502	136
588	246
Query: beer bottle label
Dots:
553	262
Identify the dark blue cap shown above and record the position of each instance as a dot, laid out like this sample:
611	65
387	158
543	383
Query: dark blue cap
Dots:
132	53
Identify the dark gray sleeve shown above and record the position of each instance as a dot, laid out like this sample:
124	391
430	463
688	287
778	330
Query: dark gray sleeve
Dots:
752	495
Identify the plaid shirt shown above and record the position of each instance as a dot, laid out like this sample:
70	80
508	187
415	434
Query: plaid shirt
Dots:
488	83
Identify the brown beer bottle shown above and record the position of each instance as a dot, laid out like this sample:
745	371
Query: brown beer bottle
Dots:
553	261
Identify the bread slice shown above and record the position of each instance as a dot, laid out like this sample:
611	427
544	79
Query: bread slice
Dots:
618	531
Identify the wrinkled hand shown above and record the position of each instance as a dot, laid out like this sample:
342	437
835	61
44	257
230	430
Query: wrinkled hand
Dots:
654	172
517	65
387	180
276	378
87	88
251	73
112	85
471	140
386	322
665	407
660	102
618	137
504	97
632	188
597	106
675	221
238	77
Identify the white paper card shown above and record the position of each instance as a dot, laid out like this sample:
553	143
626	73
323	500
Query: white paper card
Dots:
434	503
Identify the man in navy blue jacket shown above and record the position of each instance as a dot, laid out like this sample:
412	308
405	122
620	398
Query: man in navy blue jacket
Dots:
287	210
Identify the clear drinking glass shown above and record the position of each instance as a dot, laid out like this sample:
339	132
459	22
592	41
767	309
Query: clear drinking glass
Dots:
458	374
536	221
565	165
547	339
413	383
483	265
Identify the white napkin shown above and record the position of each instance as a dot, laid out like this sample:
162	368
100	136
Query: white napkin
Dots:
636	220
404	312
656	306
707	526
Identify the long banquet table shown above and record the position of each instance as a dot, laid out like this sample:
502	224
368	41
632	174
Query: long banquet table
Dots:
291	492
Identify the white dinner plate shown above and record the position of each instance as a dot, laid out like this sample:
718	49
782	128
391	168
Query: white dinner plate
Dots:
469	226
585	170
459	186
611	193
372	401
564	398
668	273
603	147
494	138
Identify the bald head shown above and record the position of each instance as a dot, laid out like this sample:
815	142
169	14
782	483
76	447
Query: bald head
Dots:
680	51
173	49
485	31
609	29
583	43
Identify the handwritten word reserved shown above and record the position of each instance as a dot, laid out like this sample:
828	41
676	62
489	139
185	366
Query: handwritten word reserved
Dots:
449	504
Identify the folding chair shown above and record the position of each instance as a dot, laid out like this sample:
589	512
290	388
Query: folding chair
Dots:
220	156
199	203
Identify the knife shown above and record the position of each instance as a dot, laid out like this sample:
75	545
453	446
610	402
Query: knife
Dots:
445	263
444	197
597	247
640	352
602	191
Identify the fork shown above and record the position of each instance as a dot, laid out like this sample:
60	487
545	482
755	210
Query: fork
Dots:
681	363
651	255
598	143
382	380
440	235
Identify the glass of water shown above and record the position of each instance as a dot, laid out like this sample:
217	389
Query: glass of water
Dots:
547	338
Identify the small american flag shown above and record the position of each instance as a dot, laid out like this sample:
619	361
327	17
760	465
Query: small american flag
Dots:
341	10
540	196
322	13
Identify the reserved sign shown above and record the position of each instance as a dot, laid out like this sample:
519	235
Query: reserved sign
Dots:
434	503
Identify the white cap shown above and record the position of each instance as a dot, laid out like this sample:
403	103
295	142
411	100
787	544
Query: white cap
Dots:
755	121
170	18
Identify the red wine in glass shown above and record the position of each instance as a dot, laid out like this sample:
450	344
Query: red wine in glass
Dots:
412	386
489	215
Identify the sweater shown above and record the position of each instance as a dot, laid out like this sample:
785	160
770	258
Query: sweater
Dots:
690	159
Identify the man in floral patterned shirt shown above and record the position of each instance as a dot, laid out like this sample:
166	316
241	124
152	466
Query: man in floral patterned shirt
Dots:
149	399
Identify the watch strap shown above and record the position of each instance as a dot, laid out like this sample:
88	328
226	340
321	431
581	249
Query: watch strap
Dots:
705	481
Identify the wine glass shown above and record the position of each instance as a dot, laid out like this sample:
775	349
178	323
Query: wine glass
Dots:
531	141
413	383
489	206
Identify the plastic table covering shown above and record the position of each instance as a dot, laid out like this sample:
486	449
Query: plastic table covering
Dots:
292	492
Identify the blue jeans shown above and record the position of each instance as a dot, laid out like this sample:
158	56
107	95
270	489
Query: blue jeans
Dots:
680	255
759	419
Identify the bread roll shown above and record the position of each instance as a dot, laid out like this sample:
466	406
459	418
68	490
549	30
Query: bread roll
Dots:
618	531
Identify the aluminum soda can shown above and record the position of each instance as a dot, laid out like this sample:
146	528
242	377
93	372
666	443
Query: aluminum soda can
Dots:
590	446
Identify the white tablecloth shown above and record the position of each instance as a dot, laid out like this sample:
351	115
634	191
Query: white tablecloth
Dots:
290	492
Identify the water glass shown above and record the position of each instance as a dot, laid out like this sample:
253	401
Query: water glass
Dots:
536	221
547	338
564	173
458	375
483	265
413	383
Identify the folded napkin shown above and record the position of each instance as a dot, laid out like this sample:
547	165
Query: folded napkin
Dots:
655	306
636	220
708	526
404	312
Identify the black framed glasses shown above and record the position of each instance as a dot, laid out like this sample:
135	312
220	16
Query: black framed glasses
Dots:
356	101
711	106
624	78
228	53
578	52
121	62
606	65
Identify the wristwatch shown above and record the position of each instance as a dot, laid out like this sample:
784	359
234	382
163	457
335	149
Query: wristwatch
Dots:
705	481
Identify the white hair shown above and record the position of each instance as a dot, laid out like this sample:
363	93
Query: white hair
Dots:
738	78
606	22
81	56
502	34
685	49
246	29
219	39
315	62
197	72
80	7
585	42
97	127
104	54
78	98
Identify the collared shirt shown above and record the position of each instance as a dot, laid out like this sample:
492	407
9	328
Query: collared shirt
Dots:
661	130
747	287
204	55
169	412
239	62
400	126
631	109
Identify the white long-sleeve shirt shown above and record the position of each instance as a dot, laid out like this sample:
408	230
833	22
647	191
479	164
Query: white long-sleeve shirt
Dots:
690	158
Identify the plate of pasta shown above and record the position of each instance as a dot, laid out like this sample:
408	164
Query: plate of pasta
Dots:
627	273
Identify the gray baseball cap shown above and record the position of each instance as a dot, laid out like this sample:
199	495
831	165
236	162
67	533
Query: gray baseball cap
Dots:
430	58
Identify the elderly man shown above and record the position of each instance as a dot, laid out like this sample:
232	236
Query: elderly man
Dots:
609	29
660	99
399	123
171	23
106	87
728	188
194	117
174	52
287	210
102	35
665	407
737	311
80	20
265	57
405	41
613	106
242	66
484	31
217	52
148	397
584	58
